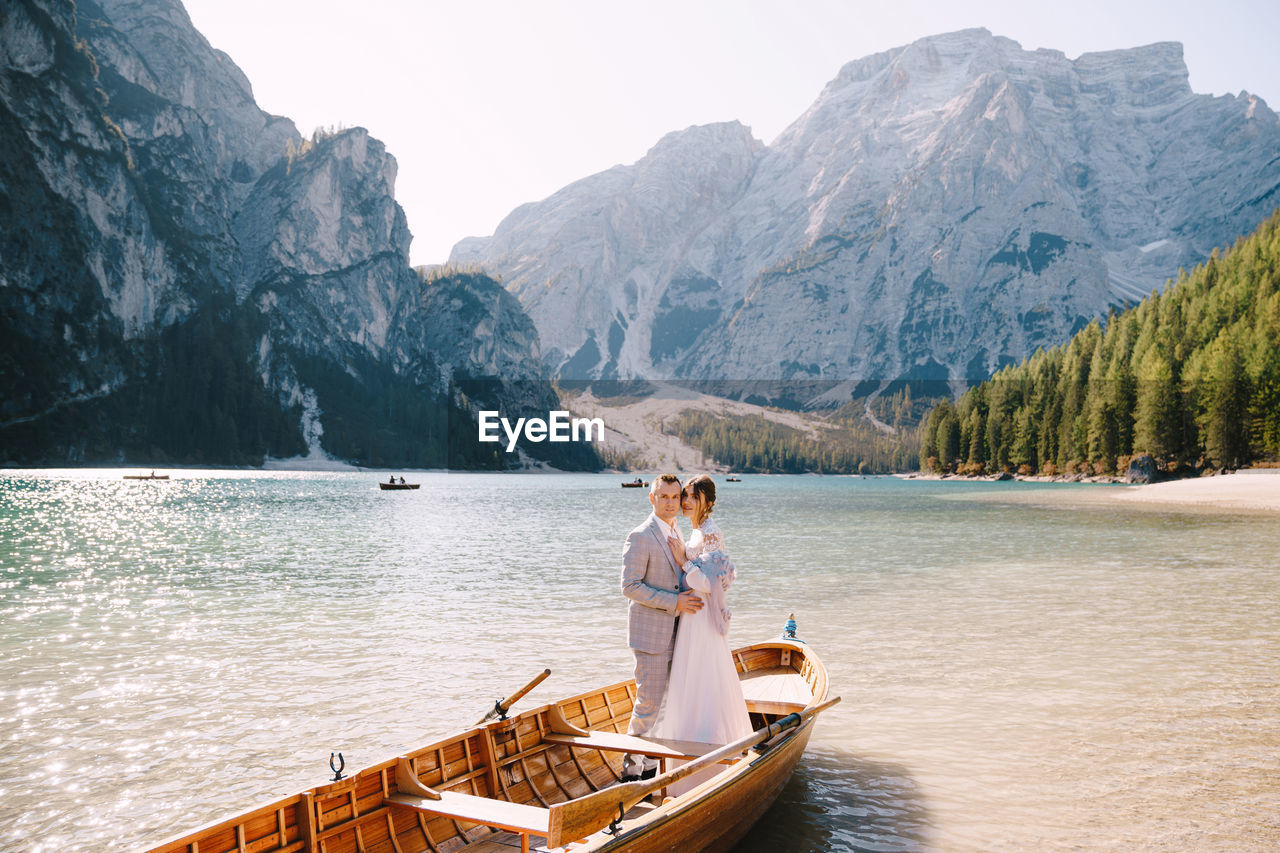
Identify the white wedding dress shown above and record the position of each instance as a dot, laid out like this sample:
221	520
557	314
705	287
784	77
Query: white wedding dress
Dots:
704	697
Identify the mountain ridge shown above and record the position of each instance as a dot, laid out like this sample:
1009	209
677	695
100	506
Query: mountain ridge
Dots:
941	209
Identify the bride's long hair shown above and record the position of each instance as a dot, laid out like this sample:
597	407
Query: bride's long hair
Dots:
704	487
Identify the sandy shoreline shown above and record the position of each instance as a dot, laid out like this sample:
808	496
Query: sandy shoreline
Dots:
1245	491
1258	490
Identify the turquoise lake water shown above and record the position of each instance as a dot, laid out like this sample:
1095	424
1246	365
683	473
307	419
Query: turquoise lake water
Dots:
1015	675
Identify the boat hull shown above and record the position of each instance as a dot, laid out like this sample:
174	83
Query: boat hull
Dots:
719	820
506	776
394	487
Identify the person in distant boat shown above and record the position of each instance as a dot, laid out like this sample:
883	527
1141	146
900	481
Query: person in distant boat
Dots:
392	481
654	582
704	696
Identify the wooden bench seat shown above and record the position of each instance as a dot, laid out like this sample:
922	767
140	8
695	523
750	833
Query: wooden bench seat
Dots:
522	819
777	690
767	706
516	817
618	742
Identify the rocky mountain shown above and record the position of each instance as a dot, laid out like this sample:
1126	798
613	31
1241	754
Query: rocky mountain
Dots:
186	278
942	209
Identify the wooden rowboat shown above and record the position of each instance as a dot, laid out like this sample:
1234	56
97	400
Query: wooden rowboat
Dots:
146	476
386	487
635	484
550	779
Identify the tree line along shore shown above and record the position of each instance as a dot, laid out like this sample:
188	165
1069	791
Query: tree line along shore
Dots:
1189	376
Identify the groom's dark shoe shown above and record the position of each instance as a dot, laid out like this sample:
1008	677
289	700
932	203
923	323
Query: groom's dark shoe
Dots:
629	777
648	774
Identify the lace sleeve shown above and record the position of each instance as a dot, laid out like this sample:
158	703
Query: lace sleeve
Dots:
712	538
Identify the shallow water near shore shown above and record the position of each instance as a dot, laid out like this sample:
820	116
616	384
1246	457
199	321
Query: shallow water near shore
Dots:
1015	675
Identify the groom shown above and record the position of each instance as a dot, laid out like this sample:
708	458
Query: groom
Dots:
655	585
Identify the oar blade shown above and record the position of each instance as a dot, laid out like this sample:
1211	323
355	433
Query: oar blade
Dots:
575	819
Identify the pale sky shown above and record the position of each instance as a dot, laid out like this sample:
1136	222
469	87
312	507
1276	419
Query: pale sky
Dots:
488	104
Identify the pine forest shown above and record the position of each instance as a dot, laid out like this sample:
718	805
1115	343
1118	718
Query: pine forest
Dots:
1190	376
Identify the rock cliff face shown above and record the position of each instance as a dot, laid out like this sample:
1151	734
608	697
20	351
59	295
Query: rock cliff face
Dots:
596	257
940	210
185	277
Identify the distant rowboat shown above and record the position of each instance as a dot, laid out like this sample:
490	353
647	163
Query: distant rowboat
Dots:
550	779
733	479
152	476
637	483
387	487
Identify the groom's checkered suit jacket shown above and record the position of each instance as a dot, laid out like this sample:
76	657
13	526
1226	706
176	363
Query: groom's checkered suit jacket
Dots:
652	580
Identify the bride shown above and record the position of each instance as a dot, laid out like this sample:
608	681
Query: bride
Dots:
704	697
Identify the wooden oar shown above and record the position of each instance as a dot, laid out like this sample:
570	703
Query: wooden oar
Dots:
501	707
579	818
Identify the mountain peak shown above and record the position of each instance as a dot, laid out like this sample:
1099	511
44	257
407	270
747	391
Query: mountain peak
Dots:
932	53
1148	75
717	135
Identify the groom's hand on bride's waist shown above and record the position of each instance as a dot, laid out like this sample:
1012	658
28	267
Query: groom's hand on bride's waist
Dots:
688	602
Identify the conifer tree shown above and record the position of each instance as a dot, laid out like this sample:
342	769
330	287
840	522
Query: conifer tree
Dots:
1154	429
1265	404
948	439
1227	427
977	450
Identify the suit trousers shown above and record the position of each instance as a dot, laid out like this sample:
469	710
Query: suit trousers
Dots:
653	671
